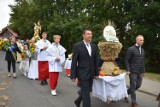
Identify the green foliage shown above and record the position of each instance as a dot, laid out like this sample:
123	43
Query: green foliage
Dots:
69	18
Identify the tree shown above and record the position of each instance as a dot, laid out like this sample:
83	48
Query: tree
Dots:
69	18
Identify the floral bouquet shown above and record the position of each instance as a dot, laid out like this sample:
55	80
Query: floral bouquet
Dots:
1	43
32	48
8	47
24	55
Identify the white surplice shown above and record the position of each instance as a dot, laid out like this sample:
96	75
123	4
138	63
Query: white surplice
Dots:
42	54
68	64
54	51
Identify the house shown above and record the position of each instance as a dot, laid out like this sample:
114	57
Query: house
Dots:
7	33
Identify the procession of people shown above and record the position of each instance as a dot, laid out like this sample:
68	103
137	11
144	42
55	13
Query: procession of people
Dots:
43	61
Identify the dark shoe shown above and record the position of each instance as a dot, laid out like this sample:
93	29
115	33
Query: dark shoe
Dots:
45	82
76	103
128	91
42	83
113	101
134	105
126	99
79	92
158	97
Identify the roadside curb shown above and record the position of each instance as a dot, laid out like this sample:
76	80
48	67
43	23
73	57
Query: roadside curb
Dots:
145	92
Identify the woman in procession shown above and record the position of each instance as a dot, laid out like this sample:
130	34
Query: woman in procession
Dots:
56	56
11	55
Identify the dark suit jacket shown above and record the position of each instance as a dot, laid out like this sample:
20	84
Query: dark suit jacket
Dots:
134	61
83	66
9	55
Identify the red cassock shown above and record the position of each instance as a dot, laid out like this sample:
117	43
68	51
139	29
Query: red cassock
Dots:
43	69
68	72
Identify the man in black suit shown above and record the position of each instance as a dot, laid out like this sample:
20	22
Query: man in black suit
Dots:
135	67
84	67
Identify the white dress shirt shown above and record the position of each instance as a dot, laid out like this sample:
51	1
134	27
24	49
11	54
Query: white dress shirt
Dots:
139	48
88	46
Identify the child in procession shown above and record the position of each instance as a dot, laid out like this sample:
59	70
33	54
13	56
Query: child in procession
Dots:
56	56
67	65
24	64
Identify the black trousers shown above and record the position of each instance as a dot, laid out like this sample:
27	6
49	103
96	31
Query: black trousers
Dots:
135	83
84	92
13	63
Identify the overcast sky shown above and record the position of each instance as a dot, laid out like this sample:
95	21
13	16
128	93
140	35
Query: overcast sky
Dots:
4	12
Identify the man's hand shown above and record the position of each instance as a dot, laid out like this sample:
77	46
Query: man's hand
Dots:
73	80
128	73
45	47
99	68
96	77
57	59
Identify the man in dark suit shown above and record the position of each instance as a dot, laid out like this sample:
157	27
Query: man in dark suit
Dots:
135	67
84	67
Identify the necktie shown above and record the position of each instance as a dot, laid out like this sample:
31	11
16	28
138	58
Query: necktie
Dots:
140	49
89	49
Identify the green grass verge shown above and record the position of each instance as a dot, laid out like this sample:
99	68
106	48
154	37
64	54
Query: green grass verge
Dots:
149	75
153	76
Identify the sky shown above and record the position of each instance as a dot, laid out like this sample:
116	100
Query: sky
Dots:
4	12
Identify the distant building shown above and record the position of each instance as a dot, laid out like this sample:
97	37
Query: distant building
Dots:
7	33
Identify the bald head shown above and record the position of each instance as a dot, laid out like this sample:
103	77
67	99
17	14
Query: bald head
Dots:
139	40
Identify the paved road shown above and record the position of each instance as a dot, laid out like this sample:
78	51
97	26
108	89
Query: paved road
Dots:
150	87
22	92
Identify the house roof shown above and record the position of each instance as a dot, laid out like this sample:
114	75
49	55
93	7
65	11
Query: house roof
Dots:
8	33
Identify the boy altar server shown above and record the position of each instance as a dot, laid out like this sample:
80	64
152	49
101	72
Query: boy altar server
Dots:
67	65
41	47
56	56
